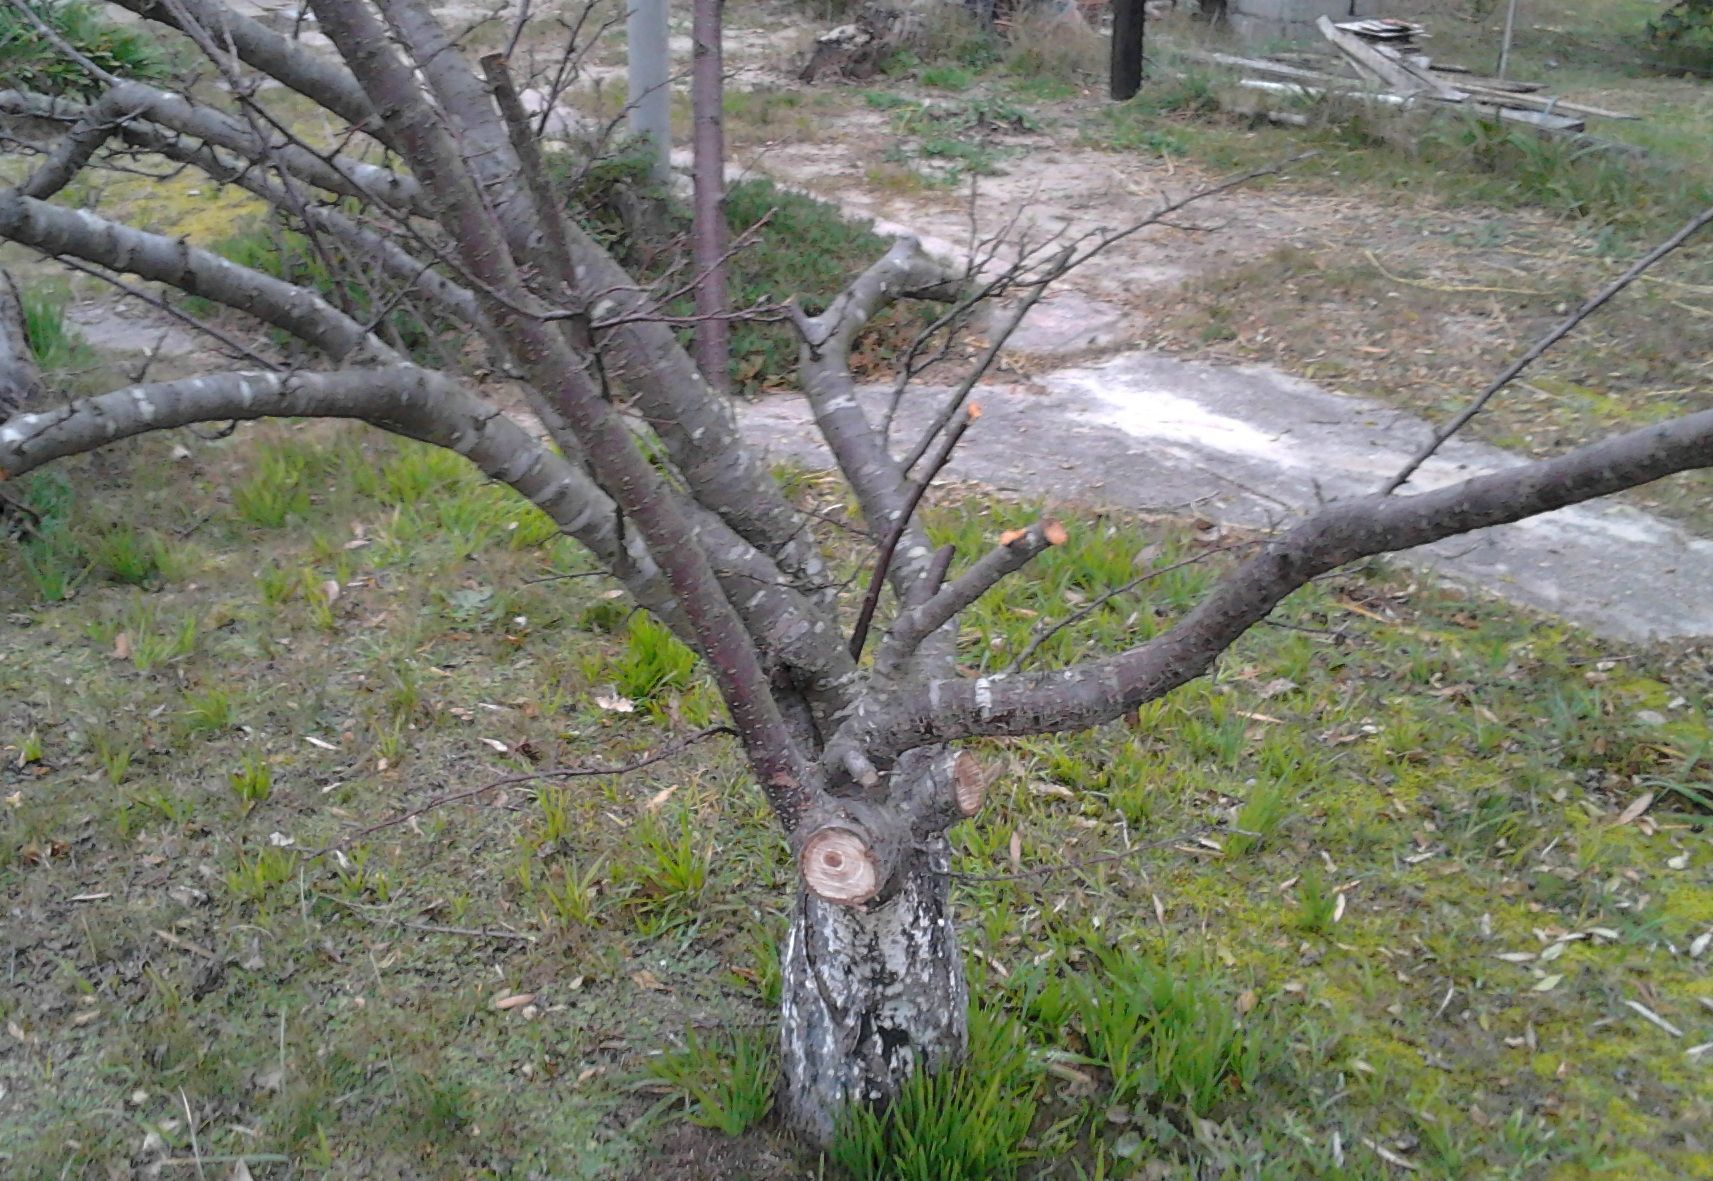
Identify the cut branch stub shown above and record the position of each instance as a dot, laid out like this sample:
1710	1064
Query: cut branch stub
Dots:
847	853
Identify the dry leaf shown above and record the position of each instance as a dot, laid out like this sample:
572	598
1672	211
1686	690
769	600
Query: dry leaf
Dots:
122	646
648	980
330	591
659	798
513	1001
1637	807
499	746
615	703
1247	1000
1547	984
1016	849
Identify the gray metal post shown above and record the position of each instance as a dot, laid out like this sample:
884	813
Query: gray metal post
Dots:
1505	45
650	98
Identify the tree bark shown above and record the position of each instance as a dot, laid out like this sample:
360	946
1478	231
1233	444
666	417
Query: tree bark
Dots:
871	994
20	380
708	232
1129	24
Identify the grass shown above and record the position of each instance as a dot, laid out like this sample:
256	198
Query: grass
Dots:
1452	770
30	60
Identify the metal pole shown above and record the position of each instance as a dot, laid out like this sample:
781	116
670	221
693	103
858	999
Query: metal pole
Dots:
650	110
1505	45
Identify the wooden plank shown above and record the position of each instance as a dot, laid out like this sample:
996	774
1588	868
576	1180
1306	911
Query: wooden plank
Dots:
1384	66
1260	65
1536	119
1544	102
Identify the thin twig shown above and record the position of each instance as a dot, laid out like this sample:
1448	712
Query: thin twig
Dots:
661	755
1073	866
1084	612
1594	303
883	561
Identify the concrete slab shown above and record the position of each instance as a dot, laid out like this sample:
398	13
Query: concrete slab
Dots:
1255	447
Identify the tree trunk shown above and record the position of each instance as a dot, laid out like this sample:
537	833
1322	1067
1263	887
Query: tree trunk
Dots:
871	994
708	227
20	380
1129	23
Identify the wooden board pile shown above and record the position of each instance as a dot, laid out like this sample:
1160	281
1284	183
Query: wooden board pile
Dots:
1384	63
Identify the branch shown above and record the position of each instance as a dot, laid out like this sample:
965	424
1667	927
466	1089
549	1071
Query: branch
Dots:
912	500
876	477
131	100
405	400
1014	551
1043	635
1592	305
559	379
1101	690
318	78
55	231
637	764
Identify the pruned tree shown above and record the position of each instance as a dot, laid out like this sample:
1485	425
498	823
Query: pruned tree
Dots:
432	193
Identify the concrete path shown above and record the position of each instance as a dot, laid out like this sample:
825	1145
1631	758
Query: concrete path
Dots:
1252	446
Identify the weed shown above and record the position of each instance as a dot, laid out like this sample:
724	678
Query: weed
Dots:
257	875
59	350
946	77
572	895
1258	818
962	1123
1165	1033
1316	904
357	879
275	492
128	555
653	662
665	873
115	752
251	783
726	1085
208	712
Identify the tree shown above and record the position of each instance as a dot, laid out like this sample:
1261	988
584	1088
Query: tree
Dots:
436	198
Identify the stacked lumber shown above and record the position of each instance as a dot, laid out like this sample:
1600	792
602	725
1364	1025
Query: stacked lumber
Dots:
1384	63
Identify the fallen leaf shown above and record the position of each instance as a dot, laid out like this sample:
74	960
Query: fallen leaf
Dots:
615	703
499	746
1637	807
330	591
1247	1000
648	980
1016	849
658	798
122	646
513	1001
1548	983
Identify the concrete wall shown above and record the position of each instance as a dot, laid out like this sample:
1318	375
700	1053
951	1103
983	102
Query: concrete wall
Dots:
1271	20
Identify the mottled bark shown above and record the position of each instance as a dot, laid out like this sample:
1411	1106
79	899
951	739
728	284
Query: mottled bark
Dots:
870	995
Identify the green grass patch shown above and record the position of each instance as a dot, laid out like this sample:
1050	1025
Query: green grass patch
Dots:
1368	880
